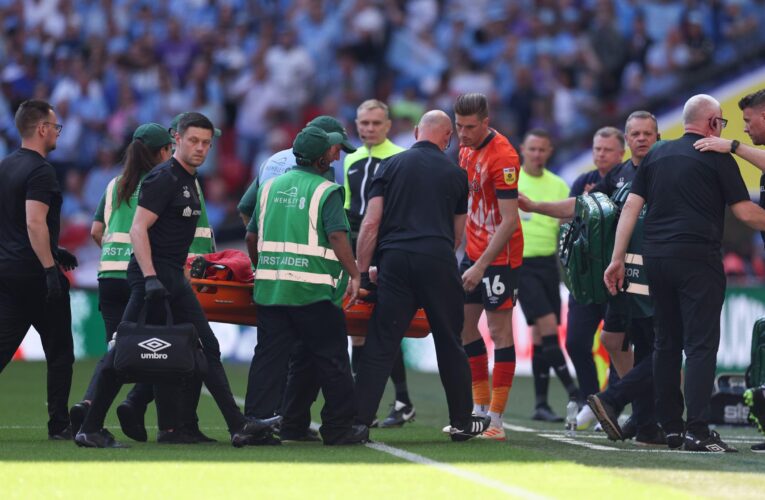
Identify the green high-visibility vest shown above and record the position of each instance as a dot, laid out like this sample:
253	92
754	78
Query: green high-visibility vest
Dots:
637	290
296	264
116	247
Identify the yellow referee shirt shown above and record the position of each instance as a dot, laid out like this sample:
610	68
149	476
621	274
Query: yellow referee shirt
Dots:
540	232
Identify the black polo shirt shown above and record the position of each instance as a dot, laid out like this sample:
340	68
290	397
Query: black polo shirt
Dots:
616	178
423	190
686	192
591	177
171	193
25	175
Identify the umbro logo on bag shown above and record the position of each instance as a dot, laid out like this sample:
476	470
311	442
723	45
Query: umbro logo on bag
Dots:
154	345
715	447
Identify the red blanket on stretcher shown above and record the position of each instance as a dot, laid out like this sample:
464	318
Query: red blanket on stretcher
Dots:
235	261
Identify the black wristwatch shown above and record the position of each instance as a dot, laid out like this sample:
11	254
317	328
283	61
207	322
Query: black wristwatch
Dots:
734	145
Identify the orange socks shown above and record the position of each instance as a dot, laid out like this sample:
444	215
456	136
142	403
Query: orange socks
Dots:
479	368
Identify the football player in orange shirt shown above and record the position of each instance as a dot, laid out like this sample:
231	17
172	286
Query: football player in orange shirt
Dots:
493	254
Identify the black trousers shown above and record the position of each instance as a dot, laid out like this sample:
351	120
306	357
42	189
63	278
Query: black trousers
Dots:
186	309
583	322
113	296
300	392
636	386
405	282
320	327
23	304
688	297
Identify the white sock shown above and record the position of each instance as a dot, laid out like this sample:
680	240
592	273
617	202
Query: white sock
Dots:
480	410
585	417
496	419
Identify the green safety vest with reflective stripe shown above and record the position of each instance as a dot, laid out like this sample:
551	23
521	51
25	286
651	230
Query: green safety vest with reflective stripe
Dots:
296	264
116	247
637	288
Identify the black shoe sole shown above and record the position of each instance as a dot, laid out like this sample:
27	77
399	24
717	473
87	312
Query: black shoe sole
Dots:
611	428
131	428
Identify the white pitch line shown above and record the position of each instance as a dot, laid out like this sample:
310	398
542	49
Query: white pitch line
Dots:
450	469
517	428
455	471
584	444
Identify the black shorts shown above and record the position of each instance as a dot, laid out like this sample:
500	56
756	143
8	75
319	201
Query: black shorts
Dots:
498	289
617	314
539	288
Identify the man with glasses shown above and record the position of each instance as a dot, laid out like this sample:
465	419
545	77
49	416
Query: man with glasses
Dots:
33	290
686	191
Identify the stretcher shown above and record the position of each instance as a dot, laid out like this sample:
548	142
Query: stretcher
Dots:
231	302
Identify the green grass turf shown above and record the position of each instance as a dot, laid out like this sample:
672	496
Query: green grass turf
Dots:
32	467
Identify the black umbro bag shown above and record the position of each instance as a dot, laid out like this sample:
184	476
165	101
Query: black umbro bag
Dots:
157	353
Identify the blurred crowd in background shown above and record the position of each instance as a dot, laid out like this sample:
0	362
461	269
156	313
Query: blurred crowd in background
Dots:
260	69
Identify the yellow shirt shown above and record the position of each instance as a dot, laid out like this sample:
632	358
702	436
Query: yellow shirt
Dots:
540	232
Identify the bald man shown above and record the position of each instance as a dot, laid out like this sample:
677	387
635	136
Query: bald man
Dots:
686	192
414	221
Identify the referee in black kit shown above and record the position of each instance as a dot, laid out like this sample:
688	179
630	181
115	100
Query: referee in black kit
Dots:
163	228
33	291
415	217
686	191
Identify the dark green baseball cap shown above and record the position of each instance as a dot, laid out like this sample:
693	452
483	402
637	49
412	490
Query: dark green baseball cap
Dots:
153	135
329	124
174	125
312	142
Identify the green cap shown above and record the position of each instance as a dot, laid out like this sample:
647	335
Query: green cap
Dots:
329	124
174	125
312	142
153	135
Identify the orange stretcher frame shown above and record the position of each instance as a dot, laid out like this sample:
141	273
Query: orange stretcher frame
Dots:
231	302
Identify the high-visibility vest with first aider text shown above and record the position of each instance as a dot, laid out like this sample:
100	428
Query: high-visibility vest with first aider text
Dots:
116	246
296	264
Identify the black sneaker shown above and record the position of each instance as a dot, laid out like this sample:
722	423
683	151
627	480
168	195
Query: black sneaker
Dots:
400	413
77	416
309	436
131	421
254	427
606	415
653	436
758	448
177	436
357	434
544	413
64	434
629	429
755	400
711	444
266	438
675	440
100	439
201	437
476	425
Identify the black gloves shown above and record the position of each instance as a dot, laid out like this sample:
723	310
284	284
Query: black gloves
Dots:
65	259
53	283
369	287
154	289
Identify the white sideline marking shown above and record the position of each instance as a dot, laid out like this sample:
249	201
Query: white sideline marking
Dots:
455	471
585	444
517	428
449	469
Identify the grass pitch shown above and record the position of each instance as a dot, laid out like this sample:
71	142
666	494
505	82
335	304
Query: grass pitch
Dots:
416	461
